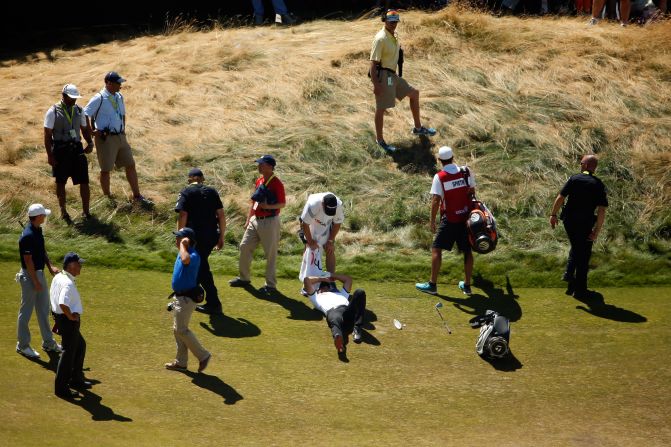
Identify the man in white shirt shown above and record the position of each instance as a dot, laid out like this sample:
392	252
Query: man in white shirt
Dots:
106	115
320	220
66	304
344	312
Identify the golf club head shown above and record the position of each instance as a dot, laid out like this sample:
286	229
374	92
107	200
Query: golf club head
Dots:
439	305
397	324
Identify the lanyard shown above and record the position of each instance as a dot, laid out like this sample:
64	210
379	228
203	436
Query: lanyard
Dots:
114	103
267	182
70	116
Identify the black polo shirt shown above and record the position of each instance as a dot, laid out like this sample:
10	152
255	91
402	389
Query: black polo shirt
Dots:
201	203
31	243
584	192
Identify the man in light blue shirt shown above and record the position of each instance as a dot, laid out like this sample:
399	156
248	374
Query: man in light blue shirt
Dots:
106	116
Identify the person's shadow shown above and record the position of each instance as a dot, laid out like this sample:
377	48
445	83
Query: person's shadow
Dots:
504	302
597	306
92	403
509	363
416	156
216	385
366	336
298	310
224	326
95	227
51	365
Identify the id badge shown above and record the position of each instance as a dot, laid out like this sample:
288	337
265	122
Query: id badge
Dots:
390	81
73	133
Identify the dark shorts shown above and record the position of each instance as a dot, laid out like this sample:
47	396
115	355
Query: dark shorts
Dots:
70	162
449	233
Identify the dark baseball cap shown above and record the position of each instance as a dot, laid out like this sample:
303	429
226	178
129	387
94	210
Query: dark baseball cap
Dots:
113	76
195	172
185	232
267	159
330	204
72	257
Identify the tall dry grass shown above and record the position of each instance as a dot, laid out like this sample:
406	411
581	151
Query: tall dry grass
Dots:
519	99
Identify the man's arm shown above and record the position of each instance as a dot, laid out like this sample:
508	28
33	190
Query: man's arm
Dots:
221	217
30	267
308	236
377	80
559	201
600	218
435	206
48	145
330	244
51	268
68	313
184	251
86	132
181	219
345	279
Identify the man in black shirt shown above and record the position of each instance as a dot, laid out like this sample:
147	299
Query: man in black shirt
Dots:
200	208
586	194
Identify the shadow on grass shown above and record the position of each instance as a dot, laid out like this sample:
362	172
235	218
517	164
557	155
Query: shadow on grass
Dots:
597	306
224	326
51	365
298	310
509	363
502	301
216	385
92	403
415	157
95	227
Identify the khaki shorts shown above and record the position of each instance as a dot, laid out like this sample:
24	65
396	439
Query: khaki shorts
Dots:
393	88
113	151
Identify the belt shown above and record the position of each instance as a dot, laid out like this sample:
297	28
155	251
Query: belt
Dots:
116	133
263	217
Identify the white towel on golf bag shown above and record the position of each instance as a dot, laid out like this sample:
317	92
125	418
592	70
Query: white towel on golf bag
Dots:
311	264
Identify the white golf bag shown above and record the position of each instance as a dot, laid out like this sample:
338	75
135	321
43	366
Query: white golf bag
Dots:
494	334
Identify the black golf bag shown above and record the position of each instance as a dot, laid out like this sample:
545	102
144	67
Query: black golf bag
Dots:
494	334
481	226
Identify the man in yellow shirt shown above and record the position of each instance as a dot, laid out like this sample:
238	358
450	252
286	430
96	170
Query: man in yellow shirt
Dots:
387	85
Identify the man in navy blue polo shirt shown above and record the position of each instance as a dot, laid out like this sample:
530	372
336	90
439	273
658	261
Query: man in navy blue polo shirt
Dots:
184	281
34	291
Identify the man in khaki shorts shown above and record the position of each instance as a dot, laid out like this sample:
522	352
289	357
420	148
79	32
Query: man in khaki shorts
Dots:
106	115
387	85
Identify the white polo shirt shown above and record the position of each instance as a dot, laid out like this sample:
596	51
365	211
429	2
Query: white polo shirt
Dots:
107	110
325	301
320	224
64	291
437	188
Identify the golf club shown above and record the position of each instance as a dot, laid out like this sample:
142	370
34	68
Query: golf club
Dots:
438	306
398	325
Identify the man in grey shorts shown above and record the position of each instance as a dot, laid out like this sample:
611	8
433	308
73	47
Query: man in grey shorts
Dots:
387	85
106	116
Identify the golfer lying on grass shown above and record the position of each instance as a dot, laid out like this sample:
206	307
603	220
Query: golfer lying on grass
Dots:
344	312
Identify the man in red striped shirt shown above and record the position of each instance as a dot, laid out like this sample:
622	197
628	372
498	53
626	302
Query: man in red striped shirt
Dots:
452	192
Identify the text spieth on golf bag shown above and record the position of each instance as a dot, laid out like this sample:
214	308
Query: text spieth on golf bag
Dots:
494	334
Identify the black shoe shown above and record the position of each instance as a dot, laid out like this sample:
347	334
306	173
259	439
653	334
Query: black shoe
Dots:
211	310
570	288
357	334
81	385
268	290
66	217
67	394
237	282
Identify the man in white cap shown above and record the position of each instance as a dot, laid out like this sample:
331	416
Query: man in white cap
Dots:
66	304
387	85
34	294
452	192
106	114
64	123
320	220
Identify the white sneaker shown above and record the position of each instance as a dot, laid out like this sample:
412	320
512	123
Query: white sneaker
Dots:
28	352
58	349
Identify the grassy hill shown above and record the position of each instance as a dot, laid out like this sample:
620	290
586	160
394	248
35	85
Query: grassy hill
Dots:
518	99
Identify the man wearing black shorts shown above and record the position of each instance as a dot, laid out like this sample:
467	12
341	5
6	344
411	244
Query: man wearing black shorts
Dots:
586	194
200	208
452	191
64	123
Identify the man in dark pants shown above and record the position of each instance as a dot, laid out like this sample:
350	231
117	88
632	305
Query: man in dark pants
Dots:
66	305
586	194
201	209
344	313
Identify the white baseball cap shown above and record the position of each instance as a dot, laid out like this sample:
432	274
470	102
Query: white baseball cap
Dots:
71	90
445	153
37	209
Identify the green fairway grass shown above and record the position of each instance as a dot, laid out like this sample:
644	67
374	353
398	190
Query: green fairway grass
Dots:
581	374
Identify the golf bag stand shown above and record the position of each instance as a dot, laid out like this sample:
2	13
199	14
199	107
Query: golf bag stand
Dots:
494	334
